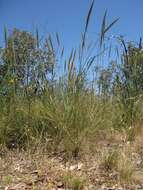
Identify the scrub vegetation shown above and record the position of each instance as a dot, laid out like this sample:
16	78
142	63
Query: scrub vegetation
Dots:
88	106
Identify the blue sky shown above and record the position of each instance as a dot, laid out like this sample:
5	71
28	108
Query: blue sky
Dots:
67	17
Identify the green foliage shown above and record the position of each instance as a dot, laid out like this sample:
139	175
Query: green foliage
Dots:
73	181
24	64
110	160
128	81
64	107
125	169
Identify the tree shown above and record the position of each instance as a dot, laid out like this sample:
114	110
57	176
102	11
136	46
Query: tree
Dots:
129	79
24	63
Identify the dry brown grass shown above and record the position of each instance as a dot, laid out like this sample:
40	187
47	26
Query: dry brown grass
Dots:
110	164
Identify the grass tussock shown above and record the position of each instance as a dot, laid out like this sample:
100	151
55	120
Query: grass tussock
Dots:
67	103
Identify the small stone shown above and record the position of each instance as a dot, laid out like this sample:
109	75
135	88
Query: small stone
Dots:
73	167
60	184
79	166
120	188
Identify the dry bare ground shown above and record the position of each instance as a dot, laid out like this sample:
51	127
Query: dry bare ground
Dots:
114	163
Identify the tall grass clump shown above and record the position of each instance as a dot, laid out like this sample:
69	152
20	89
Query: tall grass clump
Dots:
41	104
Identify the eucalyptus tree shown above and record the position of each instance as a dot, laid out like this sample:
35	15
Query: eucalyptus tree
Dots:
25	63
